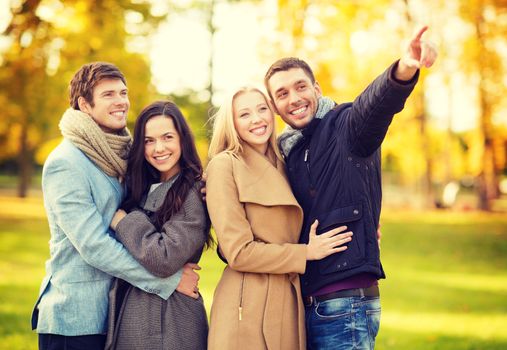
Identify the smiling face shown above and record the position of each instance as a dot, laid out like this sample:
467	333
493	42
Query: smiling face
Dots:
110	105
162	147
295	97
253	120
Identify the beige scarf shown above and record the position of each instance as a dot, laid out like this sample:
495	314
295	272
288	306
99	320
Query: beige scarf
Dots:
108	151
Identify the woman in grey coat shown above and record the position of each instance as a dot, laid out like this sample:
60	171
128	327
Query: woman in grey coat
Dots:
166	227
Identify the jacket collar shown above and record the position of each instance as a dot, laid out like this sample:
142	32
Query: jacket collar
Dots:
309	130
156	196
260	181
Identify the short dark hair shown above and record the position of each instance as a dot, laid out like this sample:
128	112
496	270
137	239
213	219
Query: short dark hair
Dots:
87	77
284	64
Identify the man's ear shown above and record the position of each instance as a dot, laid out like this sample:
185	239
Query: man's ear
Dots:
84	106
317	88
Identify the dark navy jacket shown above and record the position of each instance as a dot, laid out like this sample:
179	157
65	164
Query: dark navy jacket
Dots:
334	172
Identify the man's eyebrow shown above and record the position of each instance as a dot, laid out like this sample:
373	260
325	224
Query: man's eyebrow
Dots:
296	83
109	91
280	89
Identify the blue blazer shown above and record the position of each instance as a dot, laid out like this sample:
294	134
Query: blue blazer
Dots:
80	201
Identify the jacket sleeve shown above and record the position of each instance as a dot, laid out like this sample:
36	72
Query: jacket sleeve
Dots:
234	233
164	252
67	192
373	110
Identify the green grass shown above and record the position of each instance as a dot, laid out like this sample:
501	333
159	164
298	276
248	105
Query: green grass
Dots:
446	285
447	281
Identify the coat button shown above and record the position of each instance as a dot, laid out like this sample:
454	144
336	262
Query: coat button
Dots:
350	159
338	266
344	264
356	211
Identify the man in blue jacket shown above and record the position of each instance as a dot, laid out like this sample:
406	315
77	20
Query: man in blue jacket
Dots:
332	154
81	183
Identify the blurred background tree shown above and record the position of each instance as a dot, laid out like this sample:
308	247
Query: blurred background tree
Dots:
451	133
350	42
49	41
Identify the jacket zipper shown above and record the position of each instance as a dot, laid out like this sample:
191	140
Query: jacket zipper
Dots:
307	162
240	308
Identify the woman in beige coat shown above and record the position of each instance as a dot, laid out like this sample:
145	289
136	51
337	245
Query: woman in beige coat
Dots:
257	303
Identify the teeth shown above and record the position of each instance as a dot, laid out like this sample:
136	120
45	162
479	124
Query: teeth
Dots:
259	131
162	157
118	114
299	110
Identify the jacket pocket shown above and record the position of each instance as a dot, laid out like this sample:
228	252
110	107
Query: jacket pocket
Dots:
354	255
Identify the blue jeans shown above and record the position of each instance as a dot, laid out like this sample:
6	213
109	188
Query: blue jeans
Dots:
343	323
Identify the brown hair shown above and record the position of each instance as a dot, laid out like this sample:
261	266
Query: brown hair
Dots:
87	77
284	64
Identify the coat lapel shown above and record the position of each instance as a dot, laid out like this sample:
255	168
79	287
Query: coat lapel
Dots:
259	181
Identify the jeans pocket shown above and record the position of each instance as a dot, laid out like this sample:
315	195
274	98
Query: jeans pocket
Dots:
333	309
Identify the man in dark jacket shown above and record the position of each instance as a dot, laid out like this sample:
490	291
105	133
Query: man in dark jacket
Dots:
332	152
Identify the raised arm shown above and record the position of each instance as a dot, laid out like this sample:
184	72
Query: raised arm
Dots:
163	252
373	110
76	214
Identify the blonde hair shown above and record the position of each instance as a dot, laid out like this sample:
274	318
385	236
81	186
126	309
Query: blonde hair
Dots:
225	138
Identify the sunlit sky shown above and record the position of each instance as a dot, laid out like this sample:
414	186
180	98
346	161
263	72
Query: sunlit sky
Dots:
181	48
179	53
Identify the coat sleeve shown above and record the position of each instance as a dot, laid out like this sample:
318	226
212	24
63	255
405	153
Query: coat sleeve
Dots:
234	233
373	110
76	214
165	251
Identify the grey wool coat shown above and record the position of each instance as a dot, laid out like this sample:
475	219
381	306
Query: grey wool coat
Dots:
140	320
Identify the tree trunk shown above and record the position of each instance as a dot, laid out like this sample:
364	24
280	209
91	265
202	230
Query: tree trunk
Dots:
25	164
488	181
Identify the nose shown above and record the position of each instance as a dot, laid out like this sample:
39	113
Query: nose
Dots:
159	146
293	97
256	118
121	99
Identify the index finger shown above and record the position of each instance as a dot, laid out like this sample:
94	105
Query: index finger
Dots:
334	231
420	33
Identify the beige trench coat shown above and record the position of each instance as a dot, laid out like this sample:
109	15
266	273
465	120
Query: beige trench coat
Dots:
257	303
